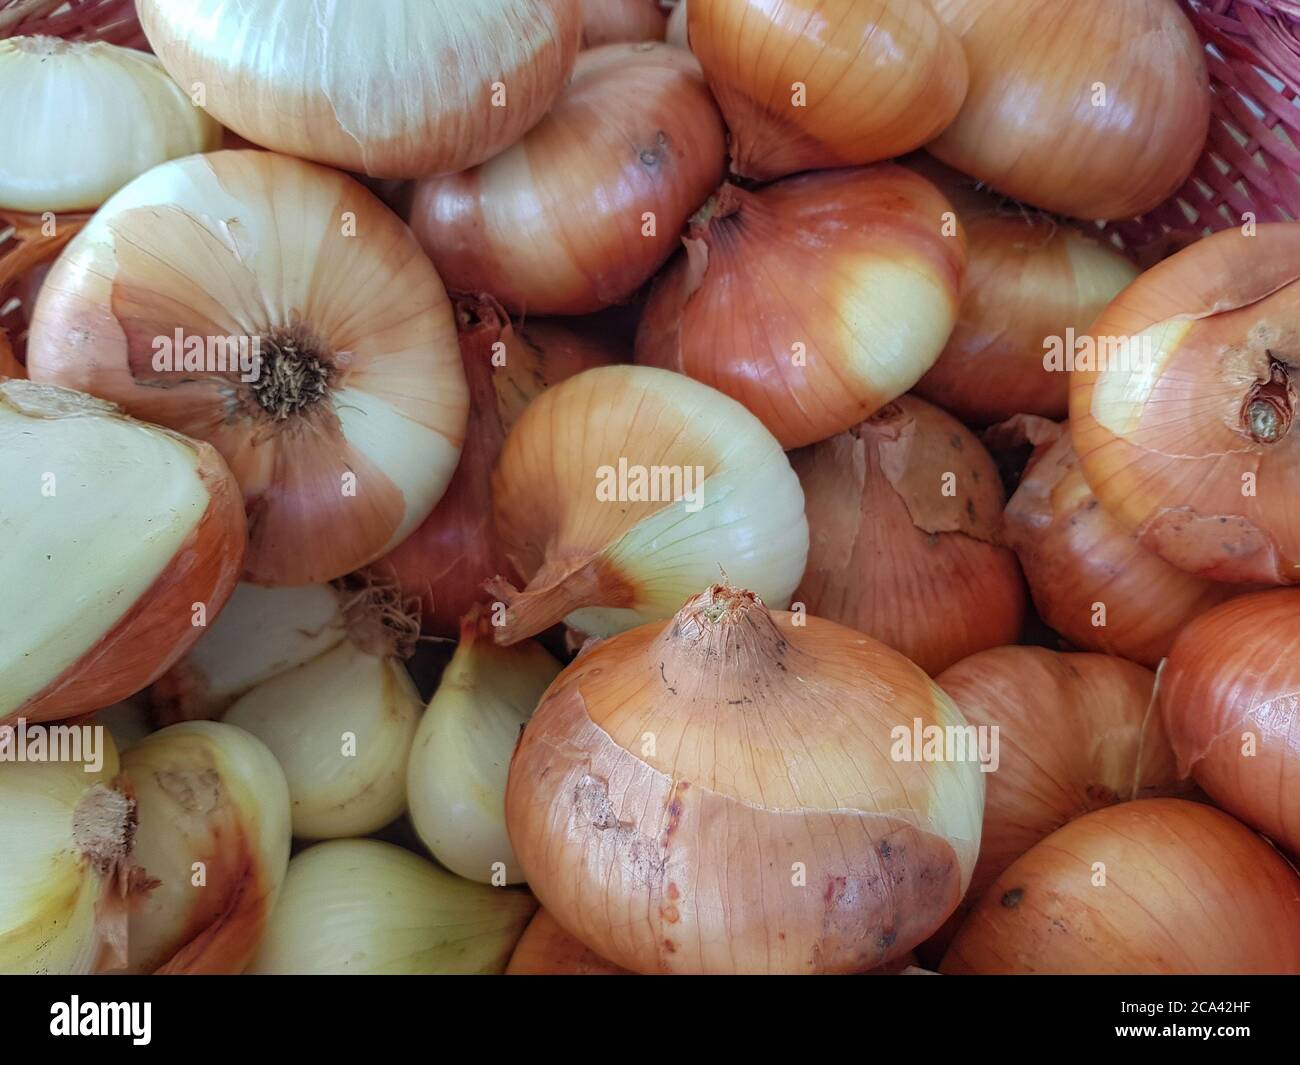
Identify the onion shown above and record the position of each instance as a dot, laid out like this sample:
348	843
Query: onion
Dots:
398	89
904	512
1156	887
624	487
214	832
814	301
1185	430
82	118
360	907
456	775
725	793
616	21
1090	580
9	365
583	210
1229	695
677	29
455	550
122	540
546	949
1096	110
811	84
354	420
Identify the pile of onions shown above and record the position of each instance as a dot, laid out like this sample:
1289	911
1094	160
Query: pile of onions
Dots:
359	907
460	757
1155	887
904	513
67	879
446	561
214	833
546	949
1185	431
814	301
812	84
121	541
1090	579
624	488
352	418
1096	110
725	793
584	209
398	90
85	117
1228	692
616	21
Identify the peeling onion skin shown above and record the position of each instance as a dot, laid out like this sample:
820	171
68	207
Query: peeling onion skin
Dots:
1077	557
1173	449
399	89
546	949
1232	679
851	264
125	619
891	555
555	224
1029	126
1189	891
620	21
880	78
684	855
362	432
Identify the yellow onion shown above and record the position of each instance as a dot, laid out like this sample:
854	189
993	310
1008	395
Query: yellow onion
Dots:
583	210
621	489
1090	580
398	89
904	513
456	775
1096	110
351	416
616	21
121	541
214	832
811	84
814	301
727	792
1154	887
1184	425
85	117
68	876
1229	695
446	561
361	907
546	949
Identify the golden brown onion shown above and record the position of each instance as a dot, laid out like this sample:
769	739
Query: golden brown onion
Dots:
617	21
904	513
1096	110
814	301
1155	887
1184	422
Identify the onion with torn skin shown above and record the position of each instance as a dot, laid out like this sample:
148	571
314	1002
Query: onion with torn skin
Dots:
727	792
1185	427
122	540
279	311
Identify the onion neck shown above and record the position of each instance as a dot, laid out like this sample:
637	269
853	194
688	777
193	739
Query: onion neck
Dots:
558	589
729	635
1270	405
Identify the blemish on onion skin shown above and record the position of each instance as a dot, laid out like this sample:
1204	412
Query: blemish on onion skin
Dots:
670	946
673	892
670	914
1012	898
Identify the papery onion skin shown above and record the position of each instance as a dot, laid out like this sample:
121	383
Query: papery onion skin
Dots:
396	90
360	907
1228	692
84	118
639	837
618	21
447	559
878	79
1035	124
608	564
100	618
546	949
1188	891
904	512
1090	580
213	804
560	223
362	431
1187	432
814	301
